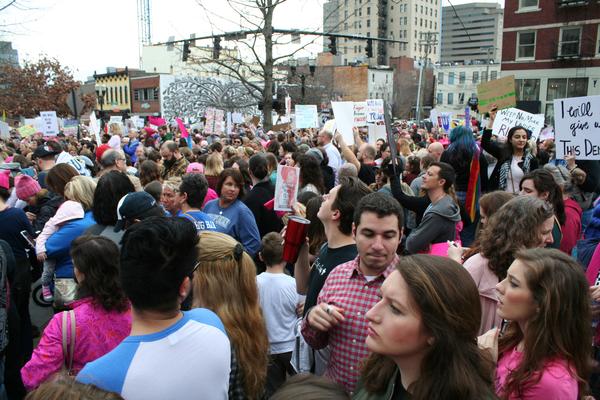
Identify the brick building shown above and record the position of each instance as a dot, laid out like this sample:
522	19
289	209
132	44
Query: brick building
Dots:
553	49
146	95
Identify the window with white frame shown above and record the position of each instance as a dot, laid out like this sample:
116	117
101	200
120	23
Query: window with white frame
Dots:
526	45
570	40
440	98
450	98
528	4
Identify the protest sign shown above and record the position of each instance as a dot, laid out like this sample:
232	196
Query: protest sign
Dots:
4	130
156	121
330	126
237	118
433	117
281	127
375	112
95	127
446	119
209	125
70	127
306	116
219	121
344	119
115	119
286	187
577	127
468	117
500	92
377	132
49	123
360	113
510	117
27	130
547	133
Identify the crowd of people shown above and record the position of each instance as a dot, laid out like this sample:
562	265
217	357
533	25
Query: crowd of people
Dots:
465	267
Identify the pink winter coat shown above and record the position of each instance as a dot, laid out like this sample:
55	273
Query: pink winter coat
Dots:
486	282
97	332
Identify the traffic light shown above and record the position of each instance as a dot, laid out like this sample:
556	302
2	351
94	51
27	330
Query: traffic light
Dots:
332	45
216	48
186	51
369	48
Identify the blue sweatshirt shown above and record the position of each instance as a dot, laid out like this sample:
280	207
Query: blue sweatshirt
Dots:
238	222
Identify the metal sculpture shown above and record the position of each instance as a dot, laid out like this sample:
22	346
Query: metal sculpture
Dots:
191	96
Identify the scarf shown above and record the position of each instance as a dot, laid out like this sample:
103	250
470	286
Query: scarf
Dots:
505	169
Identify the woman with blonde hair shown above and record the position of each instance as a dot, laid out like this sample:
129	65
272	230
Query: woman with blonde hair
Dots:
212	169
225	282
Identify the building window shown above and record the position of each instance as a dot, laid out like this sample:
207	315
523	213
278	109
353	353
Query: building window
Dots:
368	23
147	94
372	77
440	78
528	4
462	77
475	76
484	76
450	78
136	95
526	45
450	98
569	41
440	98
528	89
493	75
561	88
126	96
368	10
120	94
461	98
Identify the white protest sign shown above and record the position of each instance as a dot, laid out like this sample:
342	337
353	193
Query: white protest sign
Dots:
330	126
433	116
511	117
360	113
219	121
377	132
344	119
577	127
95	127
229	122
4	129
210	121
446	119
237	118
115	119
375	112
49	123
306	116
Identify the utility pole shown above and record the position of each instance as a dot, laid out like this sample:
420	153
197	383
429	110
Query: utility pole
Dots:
428	40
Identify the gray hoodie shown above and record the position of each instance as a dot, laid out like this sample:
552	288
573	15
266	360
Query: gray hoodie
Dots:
437	226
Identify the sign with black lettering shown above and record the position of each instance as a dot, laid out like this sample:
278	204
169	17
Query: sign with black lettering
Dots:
577	127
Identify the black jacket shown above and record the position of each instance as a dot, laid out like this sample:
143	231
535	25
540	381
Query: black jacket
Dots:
266	220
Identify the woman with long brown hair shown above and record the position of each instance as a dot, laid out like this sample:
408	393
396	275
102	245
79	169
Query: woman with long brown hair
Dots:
422	335
545	351
523	223
225	282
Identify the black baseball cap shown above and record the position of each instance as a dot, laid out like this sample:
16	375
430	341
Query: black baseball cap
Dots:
135	205
44	151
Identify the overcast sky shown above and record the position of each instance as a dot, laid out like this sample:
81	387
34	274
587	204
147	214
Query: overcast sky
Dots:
90	35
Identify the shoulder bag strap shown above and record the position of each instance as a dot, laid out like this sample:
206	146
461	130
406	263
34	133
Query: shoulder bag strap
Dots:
68	346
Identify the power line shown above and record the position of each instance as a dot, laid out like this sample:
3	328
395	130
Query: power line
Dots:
460	20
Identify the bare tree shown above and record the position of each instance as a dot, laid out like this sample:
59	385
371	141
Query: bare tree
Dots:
255	63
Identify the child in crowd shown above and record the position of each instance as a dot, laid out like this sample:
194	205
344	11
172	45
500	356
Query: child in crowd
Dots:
278	300
68	211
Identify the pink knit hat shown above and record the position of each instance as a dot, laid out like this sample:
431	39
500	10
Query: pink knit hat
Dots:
26	187
195	168
4	180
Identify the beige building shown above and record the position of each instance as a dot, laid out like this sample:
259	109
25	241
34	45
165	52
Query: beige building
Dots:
405	20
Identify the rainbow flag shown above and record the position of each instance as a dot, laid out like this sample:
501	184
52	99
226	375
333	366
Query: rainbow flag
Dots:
474	187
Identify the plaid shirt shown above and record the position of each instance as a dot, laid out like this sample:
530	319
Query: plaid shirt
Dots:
347	288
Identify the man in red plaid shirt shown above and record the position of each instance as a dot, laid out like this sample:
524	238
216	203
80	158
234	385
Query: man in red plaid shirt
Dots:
351	289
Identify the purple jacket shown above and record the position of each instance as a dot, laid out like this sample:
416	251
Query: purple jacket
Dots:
97	332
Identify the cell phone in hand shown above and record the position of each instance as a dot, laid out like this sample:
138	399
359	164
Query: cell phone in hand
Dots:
28	238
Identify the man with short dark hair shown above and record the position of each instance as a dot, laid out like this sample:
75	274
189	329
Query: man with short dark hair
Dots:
189	349
352	288
174	163
190	195
262	192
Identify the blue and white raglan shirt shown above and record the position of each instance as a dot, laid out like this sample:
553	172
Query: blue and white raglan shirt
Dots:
189	360
201	221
